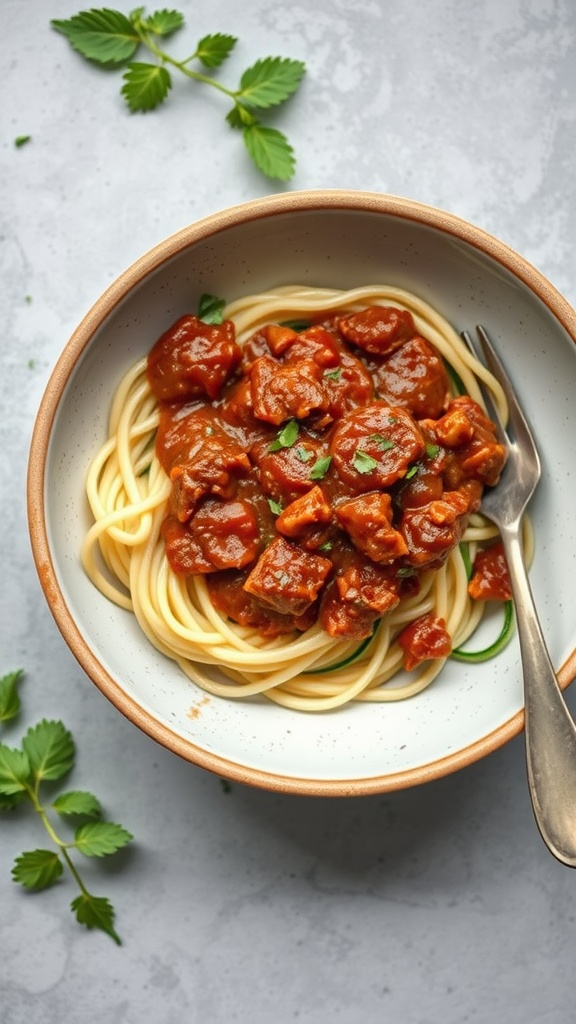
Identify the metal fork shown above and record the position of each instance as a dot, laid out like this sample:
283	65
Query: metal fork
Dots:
549	729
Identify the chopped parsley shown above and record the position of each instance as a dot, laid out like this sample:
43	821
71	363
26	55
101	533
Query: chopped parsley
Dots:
362	462
384	443
286	437
320	467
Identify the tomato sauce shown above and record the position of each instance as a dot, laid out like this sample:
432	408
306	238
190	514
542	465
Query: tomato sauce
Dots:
316	473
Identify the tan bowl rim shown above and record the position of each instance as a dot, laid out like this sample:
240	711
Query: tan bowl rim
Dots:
281	203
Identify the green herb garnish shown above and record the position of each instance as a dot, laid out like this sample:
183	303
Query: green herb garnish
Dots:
432	450
46	755
211	309
320	467
333	374
384	443
21	140
112	39
363	462
286	437
275	506
411	472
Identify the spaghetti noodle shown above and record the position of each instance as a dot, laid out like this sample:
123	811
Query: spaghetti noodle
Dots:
124	551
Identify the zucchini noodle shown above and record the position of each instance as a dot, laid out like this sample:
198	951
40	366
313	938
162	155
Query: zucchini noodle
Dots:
124	556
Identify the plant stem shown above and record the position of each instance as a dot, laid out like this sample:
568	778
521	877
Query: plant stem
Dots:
62	846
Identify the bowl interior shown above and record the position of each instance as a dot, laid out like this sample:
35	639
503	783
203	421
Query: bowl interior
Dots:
341	240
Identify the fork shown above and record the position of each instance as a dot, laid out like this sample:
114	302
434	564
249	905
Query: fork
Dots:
550	732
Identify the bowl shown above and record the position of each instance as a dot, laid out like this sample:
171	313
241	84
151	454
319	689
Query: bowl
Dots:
333	239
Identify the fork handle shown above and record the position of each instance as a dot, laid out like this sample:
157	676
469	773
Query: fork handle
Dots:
549	729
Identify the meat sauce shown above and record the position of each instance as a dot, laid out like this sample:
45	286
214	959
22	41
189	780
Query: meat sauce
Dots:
317	473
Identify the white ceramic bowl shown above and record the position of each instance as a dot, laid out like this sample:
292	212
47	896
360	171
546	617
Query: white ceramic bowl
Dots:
335	239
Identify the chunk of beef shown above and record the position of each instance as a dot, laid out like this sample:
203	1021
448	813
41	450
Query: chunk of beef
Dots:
378	329
310	510
373	447
212	467
288	578
474	450
414	377
433	530
192	359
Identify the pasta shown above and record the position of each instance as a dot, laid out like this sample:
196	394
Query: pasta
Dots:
124	552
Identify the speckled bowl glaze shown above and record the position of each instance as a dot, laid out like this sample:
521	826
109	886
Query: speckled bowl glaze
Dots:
339	239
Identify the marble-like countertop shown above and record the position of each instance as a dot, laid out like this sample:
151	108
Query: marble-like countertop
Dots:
438	905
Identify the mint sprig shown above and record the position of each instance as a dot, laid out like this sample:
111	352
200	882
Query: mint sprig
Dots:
46	755
112	39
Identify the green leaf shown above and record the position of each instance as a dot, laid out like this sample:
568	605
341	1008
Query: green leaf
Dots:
15	772
8	802
95	912
286	437
146	86
50	750
103	36
270	151
164	22
240	117
37	869
363	462
304	454
275	507
100	838
21	140
9	699
210	309
333	374
384	443
213	50
320	468
77	802
270	81
432	450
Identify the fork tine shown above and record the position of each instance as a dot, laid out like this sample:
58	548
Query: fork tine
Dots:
518	424
487	395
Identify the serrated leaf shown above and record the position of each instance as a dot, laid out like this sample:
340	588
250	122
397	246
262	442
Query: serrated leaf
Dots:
103	36
95	912
270	151
146	86
77	802
7	802
37	869
213	50
210	308
50	749
100	838
240	117
270	81
164	22
9	699
15	771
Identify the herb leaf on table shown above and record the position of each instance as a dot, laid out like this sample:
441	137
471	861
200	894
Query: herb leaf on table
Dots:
46	755
112	39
